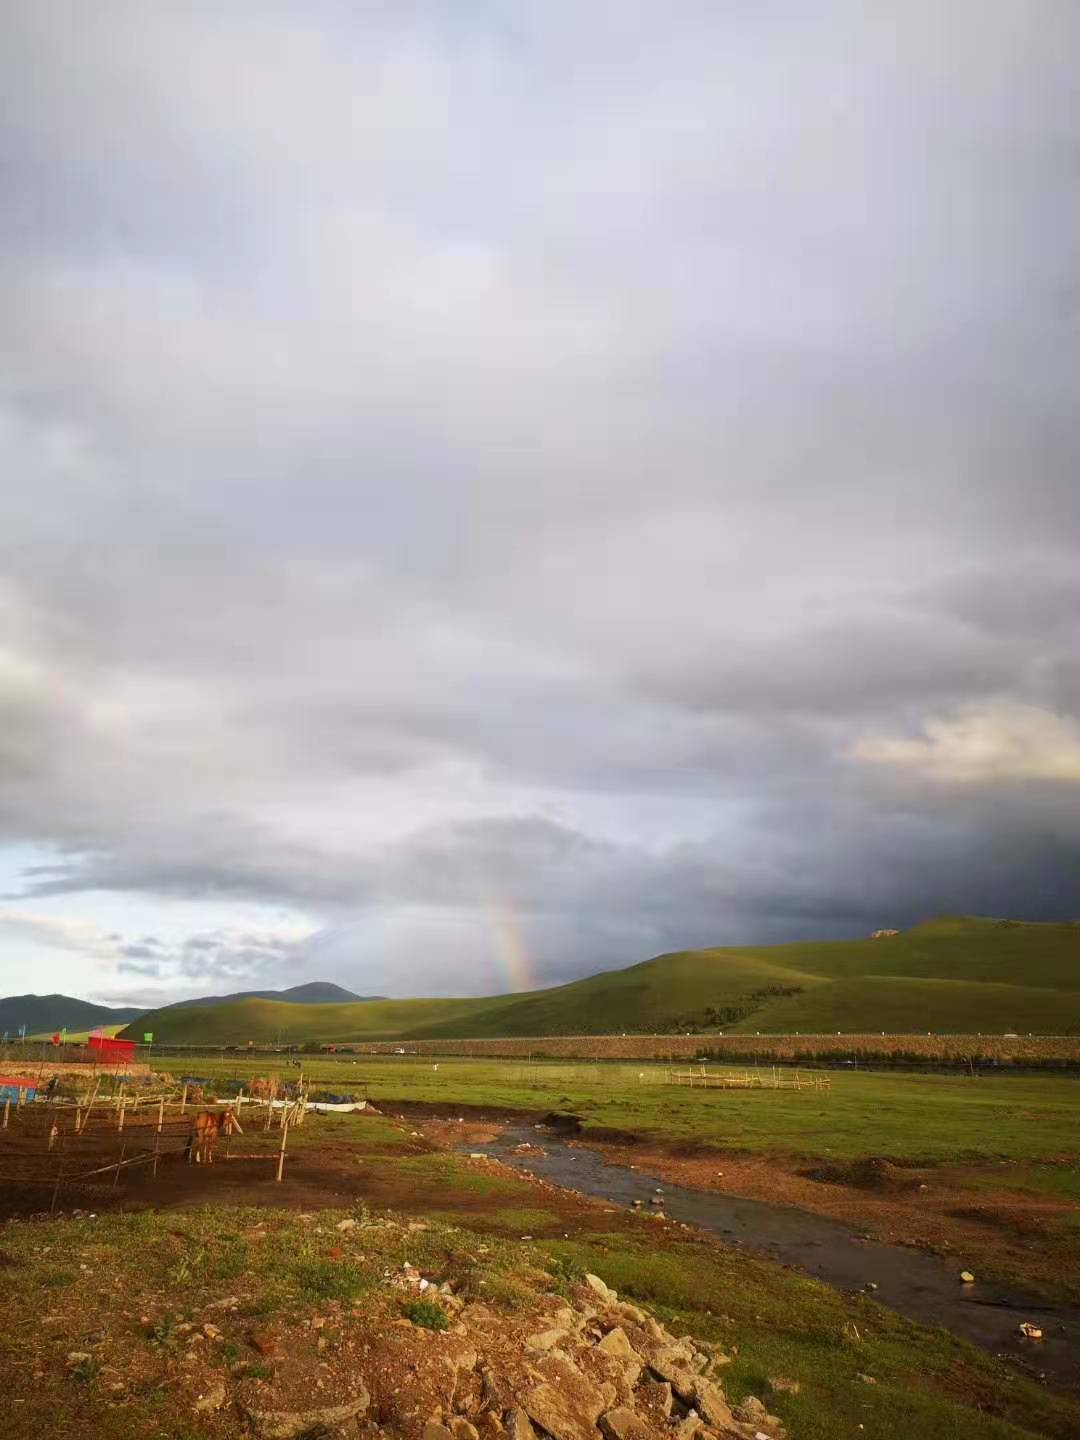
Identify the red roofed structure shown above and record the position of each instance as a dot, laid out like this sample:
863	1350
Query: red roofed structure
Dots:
108	1051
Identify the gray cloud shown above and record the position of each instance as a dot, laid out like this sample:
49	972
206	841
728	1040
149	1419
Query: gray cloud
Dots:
620	470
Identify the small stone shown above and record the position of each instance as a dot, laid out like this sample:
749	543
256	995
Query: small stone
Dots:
214	1399
566	1412
616	1343
432	1431
710	1402
462	1429
866	1379
263	1342
546	1339
290	1424
518	1425
346	1225
966	1277
622	1424
656	1395
605	1292
689	1427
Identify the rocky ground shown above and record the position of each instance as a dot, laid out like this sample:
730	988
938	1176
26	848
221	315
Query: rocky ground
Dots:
394	1345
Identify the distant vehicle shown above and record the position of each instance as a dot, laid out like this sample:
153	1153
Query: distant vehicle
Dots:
399	1051
1010	1035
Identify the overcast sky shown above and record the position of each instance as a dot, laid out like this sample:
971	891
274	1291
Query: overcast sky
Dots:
494	491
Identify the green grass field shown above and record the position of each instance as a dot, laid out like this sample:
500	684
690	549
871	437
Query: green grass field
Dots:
931	1118
959	975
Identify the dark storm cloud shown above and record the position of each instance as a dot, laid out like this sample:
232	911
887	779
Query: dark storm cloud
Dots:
617	469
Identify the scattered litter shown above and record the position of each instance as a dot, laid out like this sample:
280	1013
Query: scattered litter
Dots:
1029	1331
967	1277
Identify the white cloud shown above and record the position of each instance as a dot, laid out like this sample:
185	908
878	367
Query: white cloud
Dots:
984	745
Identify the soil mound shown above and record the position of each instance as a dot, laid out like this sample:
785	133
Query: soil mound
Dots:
872	1173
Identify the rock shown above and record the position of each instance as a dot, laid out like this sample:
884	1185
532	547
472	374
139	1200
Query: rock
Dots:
291	1424
214	1399
656	1395
688	1427
616	1343
622	1424
668	1364
567	1412
753	1413
866	1379
462	1429
1029	1331
433	1431
966	1277
605	1292
346	1225
518	1425
630	1312
546	1339
78	1357
710	1402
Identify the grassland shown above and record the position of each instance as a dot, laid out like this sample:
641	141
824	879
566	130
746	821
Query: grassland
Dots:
294	1299
988	1166
950	975
917	1118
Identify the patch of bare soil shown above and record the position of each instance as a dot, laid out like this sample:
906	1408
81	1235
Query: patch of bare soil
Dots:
1003	1233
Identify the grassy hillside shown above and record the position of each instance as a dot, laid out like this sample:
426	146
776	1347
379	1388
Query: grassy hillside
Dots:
46	1013
955	974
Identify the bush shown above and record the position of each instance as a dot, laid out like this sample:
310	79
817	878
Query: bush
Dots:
427	1315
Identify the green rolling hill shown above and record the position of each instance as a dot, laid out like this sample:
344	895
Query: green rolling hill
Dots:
955	974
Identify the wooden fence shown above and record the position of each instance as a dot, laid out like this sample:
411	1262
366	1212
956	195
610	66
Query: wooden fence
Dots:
772	1079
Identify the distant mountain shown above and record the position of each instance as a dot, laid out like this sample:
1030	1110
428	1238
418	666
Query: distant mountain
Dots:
57	1012
315	992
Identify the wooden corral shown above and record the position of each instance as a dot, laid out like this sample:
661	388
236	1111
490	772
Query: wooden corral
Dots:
772	1079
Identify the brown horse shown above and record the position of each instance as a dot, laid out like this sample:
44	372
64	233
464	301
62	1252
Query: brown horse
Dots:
206	1128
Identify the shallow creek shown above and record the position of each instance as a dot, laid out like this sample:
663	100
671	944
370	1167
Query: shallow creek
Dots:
922	1286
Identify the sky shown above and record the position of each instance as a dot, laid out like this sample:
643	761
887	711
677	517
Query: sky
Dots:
494	492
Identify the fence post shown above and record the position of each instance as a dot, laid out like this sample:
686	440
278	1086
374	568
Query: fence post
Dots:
120	1121
281	1152
157	1147
56	1187
7	1111
116	1177
160	1114
183	1102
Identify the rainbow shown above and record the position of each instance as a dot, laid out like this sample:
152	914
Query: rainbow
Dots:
510	947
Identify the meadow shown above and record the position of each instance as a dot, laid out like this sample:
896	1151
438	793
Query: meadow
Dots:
915	1118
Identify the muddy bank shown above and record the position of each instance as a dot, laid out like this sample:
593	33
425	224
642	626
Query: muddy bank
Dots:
922	1286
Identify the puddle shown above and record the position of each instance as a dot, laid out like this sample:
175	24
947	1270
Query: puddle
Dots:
919	1285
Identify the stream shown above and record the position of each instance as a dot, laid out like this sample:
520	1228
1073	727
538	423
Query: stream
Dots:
922	1286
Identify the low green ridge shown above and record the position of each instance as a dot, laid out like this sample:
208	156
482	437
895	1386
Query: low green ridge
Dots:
959	974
